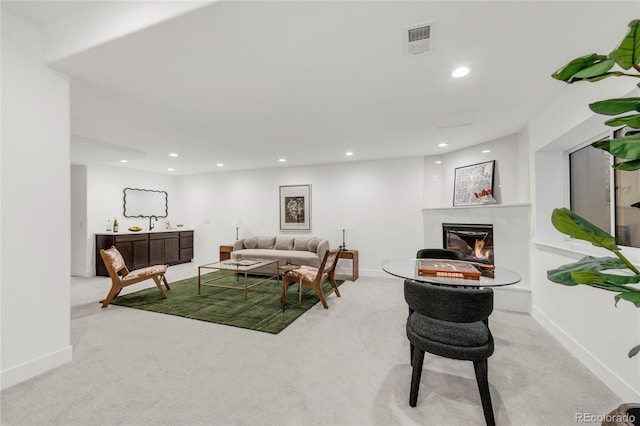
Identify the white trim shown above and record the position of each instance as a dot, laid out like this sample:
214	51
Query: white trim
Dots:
19	373
617	384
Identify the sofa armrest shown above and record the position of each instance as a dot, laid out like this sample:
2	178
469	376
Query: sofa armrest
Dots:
323	246
238	245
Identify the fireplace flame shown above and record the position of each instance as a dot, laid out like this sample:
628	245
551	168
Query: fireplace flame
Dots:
478	251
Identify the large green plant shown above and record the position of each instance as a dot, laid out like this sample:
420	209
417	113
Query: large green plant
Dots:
623	61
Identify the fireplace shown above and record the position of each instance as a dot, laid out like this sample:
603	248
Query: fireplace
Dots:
474	241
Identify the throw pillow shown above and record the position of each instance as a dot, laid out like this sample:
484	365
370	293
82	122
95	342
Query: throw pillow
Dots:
301	243
266	242
284	243
313	245
250	243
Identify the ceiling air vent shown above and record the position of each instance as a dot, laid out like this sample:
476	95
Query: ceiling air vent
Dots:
419	38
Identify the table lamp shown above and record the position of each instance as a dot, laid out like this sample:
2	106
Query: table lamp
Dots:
343	227
236	224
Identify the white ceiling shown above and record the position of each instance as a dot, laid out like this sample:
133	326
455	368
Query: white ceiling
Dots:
245	83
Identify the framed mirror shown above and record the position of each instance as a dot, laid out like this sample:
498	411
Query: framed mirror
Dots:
145	203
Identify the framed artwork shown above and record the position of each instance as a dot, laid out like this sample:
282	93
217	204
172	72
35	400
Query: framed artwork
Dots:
295	207
473	184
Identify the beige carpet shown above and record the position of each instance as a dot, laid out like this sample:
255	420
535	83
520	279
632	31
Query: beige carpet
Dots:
348	365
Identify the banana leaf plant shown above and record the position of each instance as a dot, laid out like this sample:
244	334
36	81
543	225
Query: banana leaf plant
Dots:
615	274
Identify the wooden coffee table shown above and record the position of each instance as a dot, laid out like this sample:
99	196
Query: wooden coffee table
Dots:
236	267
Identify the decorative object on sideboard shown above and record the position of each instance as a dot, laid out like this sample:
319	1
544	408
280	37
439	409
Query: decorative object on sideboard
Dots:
295	208
473	185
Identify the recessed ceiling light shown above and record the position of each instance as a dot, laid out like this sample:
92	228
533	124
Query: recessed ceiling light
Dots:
124	161
170	169
486	151
443	144
220	165
282	160
439	162
348	153
173	154
460	72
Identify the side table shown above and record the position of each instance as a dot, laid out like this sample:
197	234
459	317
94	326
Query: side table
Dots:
225	252
353	255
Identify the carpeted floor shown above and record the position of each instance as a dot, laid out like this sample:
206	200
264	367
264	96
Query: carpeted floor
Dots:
262	311
343	366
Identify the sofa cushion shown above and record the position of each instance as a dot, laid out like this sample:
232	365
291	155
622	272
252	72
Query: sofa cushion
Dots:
301	243
266	242
313	245
251	242
284	243
297	257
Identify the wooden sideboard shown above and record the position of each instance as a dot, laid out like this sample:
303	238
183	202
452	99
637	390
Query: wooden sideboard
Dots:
143	249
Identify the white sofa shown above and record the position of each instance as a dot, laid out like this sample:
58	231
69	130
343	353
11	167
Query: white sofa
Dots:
300	250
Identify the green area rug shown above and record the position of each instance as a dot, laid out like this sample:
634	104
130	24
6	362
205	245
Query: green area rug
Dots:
261	311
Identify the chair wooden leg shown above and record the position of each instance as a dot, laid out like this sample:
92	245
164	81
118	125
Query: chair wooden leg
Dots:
114	292
418	359
300	292
159	285
321	296
483	386
332	280
166	284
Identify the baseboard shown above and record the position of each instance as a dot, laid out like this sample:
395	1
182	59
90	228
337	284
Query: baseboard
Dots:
17	374
621	388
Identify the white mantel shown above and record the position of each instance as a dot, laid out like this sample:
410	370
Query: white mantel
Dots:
511	240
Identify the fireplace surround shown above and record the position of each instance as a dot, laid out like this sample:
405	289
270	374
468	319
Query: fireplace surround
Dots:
474	241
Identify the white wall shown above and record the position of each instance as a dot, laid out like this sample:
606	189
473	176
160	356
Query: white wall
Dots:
78	220
104	197
510	216
380	199
511	171
35	293
584	319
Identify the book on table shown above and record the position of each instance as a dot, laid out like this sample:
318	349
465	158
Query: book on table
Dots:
448	269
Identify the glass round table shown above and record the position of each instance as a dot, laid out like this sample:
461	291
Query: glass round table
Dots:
408	269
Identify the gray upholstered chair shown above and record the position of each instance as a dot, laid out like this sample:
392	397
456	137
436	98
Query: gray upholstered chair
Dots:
450	322
432	253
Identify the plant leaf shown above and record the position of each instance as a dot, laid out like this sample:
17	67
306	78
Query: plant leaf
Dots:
627	54
614	281
573	225
567	72
632	120
627	147
628	166
615	106
631	296
600	77
595	70
563	274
